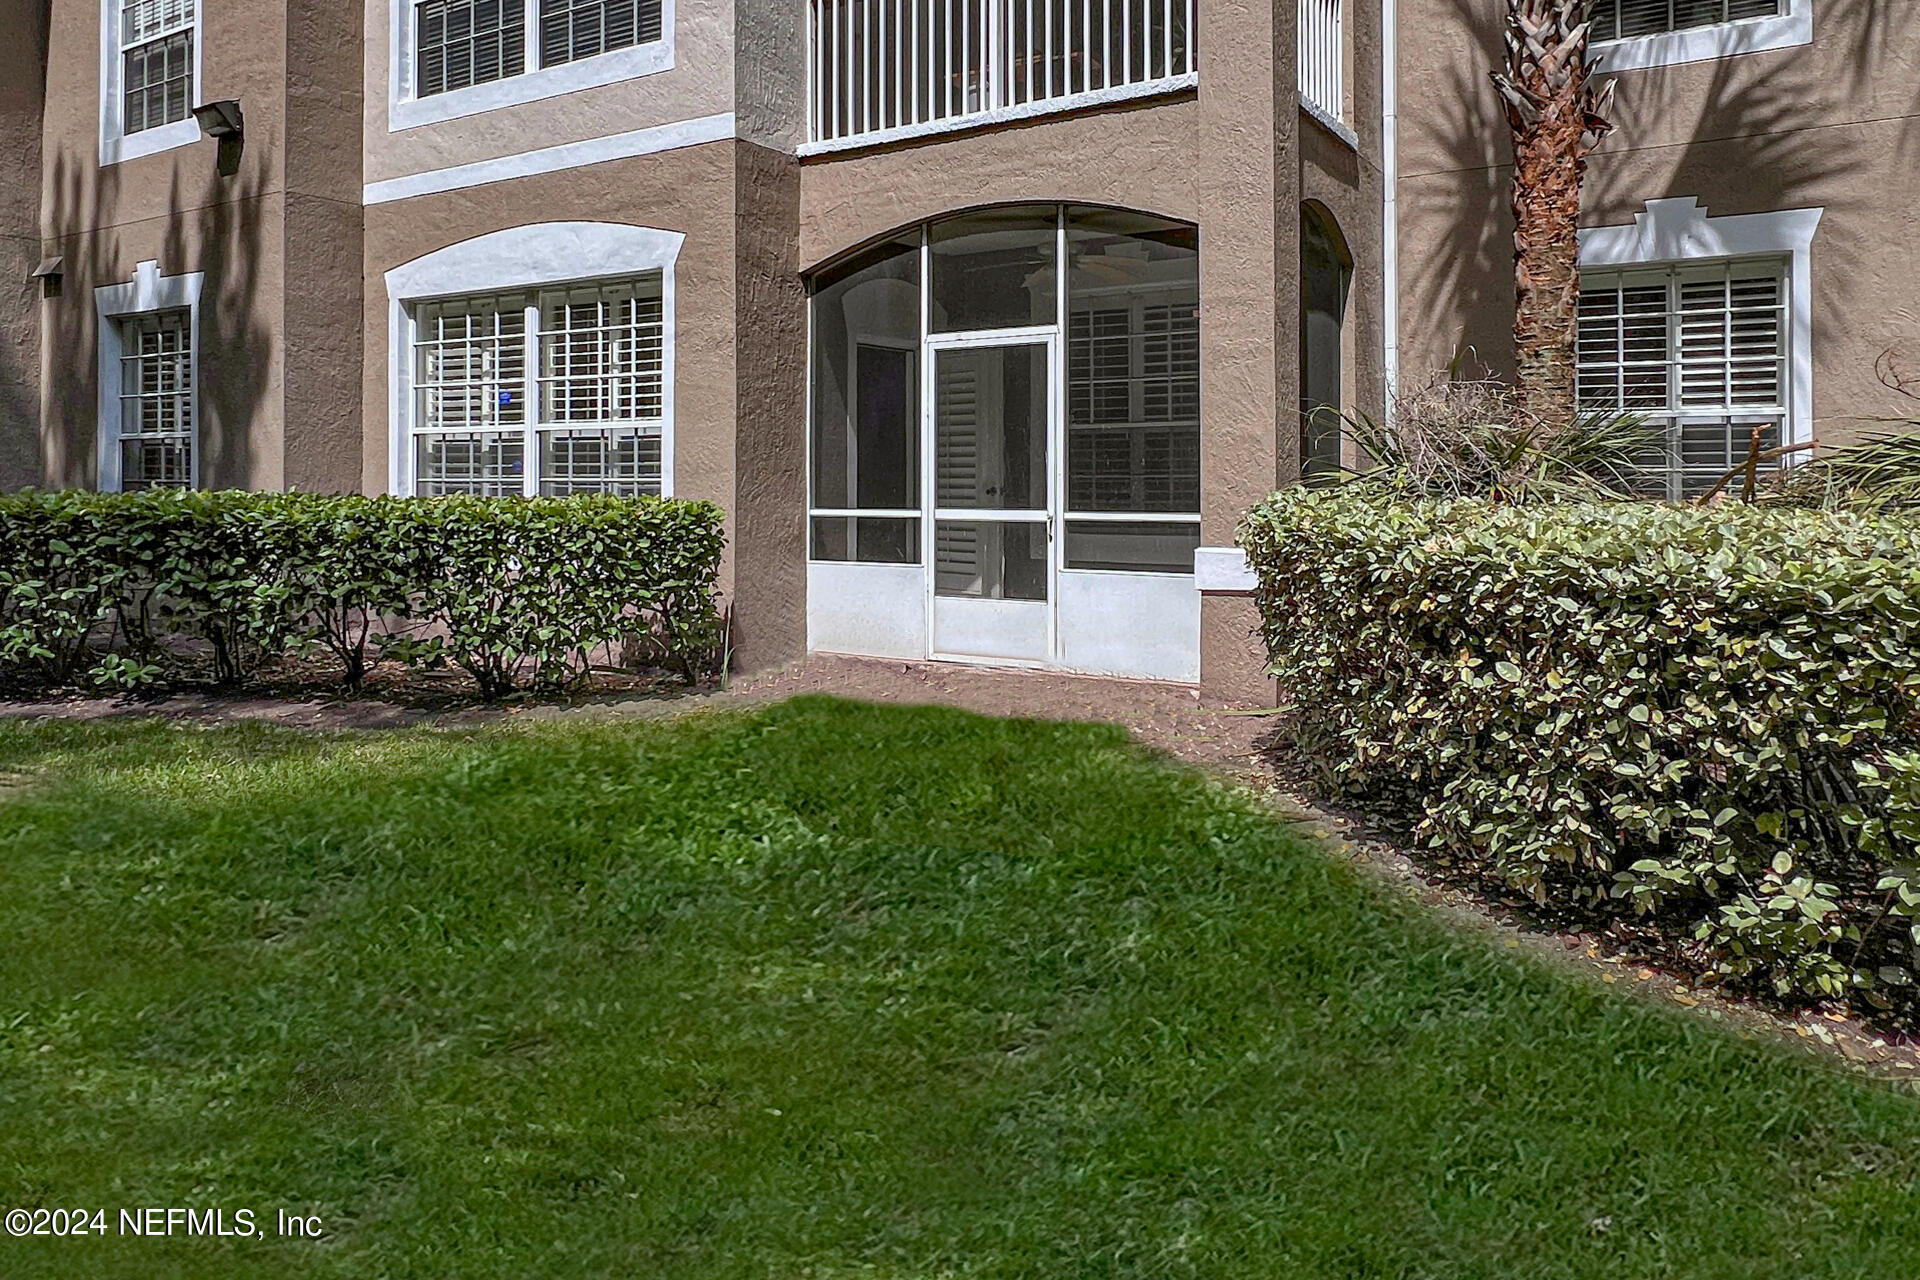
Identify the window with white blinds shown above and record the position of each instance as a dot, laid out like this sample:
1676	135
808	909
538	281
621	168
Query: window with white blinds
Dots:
157	409
461	43
557	393
1623	19
1133	406
574	29
1699	350
156	63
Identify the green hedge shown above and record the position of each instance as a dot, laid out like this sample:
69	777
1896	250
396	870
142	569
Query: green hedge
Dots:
126	591
1710	717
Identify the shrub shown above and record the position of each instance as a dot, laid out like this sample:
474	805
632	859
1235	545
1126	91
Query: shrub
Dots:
1709	716
358	566
1455	437
56	590
545	581
120	591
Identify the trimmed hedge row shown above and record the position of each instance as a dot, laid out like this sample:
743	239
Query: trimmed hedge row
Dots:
124	591
1710	716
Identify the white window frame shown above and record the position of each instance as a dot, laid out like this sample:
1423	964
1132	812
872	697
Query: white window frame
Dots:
1786	30
1677	415
117	145
1136	421
526	259
1678	230
407	110
113	304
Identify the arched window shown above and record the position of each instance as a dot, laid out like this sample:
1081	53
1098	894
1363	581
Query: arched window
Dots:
1005	443
1326	269
1110	302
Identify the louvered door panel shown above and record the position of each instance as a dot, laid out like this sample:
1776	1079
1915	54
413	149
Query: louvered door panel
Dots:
957	472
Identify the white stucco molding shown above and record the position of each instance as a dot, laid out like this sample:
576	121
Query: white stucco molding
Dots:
1680	230
1223	571
406	110
116	145
147	292
1705	44
526	257
1063	105
570	155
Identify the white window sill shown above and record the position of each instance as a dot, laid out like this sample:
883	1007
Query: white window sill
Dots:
114	149
1330	122
533	86
1063	105
1706	44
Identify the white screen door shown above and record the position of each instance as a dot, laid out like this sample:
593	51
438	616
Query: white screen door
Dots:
992	417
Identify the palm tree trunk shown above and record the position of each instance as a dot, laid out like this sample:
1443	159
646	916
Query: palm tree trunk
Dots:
1555	113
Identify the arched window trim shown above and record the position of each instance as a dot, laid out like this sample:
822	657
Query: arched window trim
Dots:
524	258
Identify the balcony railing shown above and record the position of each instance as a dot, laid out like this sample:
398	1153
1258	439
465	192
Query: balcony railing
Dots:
1322	58
897	68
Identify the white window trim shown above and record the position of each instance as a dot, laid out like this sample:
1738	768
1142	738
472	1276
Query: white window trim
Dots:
571	155
406	110
1679	230
116	145
524	258
1705	44
147	292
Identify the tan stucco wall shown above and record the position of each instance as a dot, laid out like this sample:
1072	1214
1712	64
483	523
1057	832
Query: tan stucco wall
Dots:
770	478
268	357
22	71
1236	159
294	359
1830	125
322	227
700	83
1142	157
739	347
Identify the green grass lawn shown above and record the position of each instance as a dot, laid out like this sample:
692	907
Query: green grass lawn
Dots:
827	991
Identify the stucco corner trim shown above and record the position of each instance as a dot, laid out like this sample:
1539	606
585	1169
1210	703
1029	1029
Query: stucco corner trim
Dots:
571	155
147	292
525	257
1706	44
1223	571
1679	229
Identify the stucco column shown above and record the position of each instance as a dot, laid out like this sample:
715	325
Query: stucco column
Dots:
22	89
769	590
1248	187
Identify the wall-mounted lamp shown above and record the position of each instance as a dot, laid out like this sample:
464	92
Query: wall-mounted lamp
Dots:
222	120
49	273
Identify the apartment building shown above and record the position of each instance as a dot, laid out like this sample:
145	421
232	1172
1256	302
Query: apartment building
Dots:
1746	248
984	320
